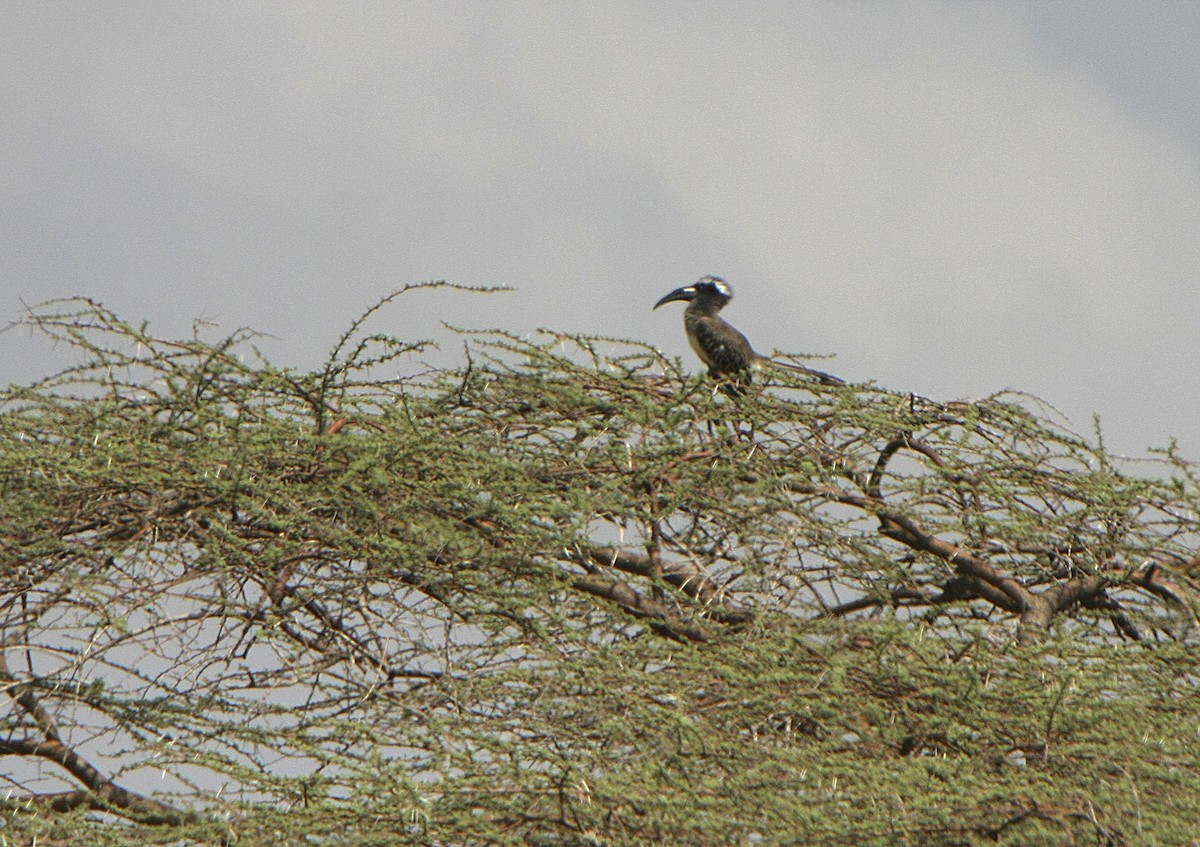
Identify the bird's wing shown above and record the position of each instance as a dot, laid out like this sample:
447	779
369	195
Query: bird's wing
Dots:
721	347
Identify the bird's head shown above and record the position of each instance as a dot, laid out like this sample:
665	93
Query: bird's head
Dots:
712	288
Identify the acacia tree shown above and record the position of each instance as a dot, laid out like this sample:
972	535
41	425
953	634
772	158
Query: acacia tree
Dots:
562	593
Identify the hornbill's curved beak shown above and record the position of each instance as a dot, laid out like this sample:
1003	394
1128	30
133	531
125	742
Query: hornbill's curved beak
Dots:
688	292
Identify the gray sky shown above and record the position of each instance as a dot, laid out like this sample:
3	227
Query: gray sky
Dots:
955	198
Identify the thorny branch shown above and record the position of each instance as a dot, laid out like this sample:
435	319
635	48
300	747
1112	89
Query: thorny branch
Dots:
447	530
101	792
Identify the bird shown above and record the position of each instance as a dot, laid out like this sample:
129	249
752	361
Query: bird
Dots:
725	350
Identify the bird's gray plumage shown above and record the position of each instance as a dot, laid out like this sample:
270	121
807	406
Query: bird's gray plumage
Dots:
725	350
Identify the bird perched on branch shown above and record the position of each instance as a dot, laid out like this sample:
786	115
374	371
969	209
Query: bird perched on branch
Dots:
719	345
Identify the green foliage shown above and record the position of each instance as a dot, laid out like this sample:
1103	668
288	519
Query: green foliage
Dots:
564	594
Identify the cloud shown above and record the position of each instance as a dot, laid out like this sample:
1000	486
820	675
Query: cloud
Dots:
922	188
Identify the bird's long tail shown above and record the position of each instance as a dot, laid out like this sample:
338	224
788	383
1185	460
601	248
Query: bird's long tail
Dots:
821	376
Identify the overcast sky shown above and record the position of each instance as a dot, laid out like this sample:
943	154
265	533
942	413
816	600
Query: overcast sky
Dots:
954	198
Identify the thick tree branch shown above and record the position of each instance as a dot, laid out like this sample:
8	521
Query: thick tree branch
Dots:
661	617
102	793
686	577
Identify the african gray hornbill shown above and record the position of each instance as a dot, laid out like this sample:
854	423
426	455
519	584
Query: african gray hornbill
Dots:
719	345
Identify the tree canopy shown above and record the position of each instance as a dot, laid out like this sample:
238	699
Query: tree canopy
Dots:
565	593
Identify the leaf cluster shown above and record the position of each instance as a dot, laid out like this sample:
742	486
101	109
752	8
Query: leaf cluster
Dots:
562	593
